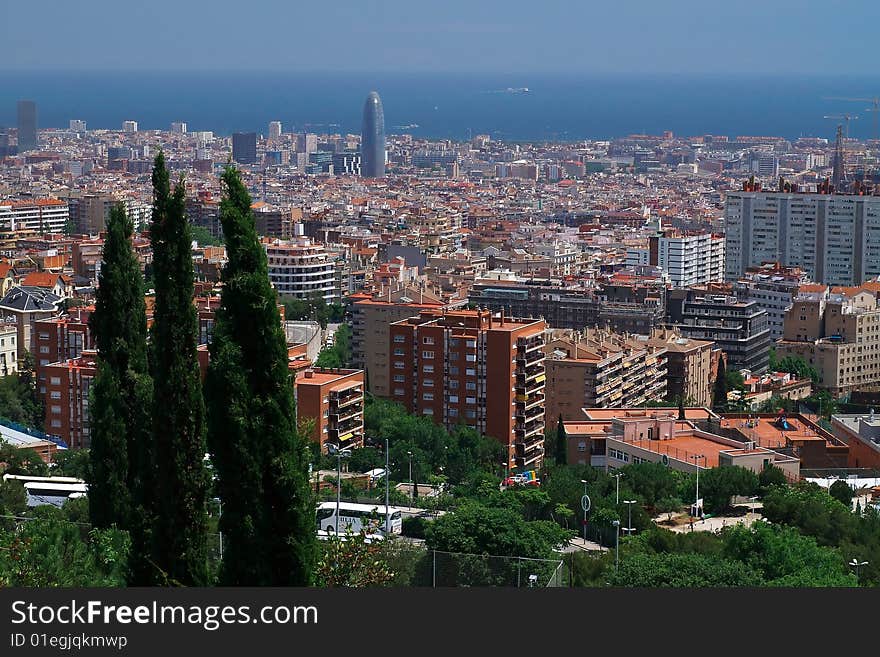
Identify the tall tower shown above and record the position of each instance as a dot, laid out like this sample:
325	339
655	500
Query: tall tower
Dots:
27	125
838	170
373	138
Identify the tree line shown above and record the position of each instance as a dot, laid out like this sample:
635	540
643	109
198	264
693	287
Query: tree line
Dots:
154	424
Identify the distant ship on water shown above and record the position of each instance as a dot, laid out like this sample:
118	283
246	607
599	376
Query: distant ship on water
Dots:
510	90
408	126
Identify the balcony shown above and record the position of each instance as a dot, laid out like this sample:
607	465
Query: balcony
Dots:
530	388
530	373
349	424
529	358
524	414
528	402
533	428
526	345
344	415
528	457
347	397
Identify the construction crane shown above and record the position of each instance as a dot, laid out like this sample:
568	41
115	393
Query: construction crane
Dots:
875	107
842	117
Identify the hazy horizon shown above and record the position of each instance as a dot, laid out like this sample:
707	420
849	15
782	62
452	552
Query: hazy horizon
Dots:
683	37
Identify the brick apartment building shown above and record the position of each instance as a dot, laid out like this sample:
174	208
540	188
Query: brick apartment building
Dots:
334	401
67	399
474	368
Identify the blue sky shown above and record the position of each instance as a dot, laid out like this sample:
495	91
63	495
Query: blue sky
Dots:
571	36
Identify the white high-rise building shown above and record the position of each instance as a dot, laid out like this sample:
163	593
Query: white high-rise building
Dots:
301	268
129	126
688	259
179	127
274	129
833	238
77	125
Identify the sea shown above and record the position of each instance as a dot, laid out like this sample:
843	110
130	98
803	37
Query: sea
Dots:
555	107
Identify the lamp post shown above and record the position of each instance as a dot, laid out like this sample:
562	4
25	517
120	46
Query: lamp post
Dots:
585	507
617	487
387	508
695	457
629	528
412	492
616	524
339	454
855	563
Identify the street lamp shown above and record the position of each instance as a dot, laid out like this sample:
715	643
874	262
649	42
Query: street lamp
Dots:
585	507
855	563
412	493
340	454
629	528
616	524
387	477
617	487
697	499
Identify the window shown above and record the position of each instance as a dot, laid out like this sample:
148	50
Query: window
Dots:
398	391
400	338
428	340
55	394
453	399
471	344
470	372
470	400
470	385
398	364
56	423
428	383
427	354
56	410
582	446
453	412
398	351
428	396
428	411
399	378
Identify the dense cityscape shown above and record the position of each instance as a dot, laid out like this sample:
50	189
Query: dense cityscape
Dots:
647	361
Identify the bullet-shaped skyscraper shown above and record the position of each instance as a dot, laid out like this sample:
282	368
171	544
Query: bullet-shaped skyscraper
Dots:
27	125
373	138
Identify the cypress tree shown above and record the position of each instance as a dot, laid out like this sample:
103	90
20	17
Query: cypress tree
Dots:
180	522
561	443
260	458
121	396
719	396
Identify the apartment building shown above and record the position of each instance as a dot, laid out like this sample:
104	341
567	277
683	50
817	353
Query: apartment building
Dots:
372	314
689	366
739	328
301	268
566	306
598	368
773	288
834	238
46	215
67	399
8	349
333	400
59	339
472	367
686	258
837	332
28	305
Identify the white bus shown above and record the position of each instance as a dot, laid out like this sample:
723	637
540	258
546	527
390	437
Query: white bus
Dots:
354	517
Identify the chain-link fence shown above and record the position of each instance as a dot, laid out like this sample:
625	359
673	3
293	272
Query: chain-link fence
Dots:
415	566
